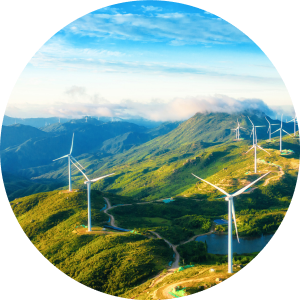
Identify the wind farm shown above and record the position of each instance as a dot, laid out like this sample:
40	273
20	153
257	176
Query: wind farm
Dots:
171	219
126	151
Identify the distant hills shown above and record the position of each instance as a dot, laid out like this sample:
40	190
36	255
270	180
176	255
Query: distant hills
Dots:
101	146
43	122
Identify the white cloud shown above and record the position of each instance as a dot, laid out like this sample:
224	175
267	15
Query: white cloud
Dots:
190	28
184	108
151	8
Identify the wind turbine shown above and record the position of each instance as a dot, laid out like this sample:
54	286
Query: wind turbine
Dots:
280	137
231	213
88	183
269	129
69	163
237	131
255	145
295	120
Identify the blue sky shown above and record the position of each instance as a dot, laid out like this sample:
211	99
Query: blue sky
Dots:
160	60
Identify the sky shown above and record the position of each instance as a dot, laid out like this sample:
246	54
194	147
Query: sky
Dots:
154	59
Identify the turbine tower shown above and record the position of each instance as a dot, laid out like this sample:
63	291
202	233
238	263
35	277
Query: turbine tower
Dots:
269	129
69	163
280	137
295	120
88	183
231	213
255	146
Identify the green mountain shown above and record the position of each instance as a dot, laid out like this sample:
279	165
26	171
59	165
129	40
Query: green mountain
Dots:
56	141
144	167
124	264
124	142
107	261
17	134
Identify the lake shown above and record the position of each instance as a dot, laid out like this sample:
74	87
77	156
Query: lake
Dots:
218	244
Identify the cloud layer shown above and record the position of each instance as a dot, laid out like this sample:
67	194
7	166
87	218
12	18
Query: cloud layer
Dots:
176	109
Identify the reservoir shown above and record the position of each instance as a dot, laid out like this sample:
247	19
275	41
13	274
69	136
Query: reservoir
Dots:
218	244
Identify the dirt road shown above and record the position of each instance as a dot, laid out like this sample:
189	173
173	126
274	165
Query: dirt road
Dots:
112	219
175	264
280	174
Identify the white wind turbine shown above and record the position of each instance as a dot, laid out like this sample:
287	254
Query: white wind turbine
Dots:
280	137
88	182
295	121
69	156
237	131
269	129
231	213
255	145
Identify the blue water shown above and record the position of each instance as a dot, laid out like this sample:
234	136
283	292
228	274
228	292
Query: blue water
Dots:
166	201
220	221
103	207
218	244
117	228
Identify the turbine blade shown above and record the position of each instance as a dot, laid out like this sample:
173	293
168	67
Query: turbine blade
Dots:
242	127
276	131
94	180
267	119
234	219
77	162
260	126
220	189
250	149
248	186
275	124
61	157
287	132
263	149
72	144
80	170
250	121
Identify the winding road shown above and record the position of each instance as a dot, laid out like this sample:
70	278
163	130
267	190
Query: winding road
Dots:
175	263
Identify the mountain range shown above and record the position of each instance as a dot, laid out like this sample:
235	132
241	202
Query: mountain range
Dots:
28	152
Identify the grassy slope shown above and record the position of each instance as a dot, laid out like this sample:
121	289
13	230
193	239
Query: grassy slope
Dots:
107	261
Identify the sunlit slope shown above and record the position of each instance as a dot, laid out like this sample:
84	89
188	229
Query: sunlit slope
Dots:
106	261
169	174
